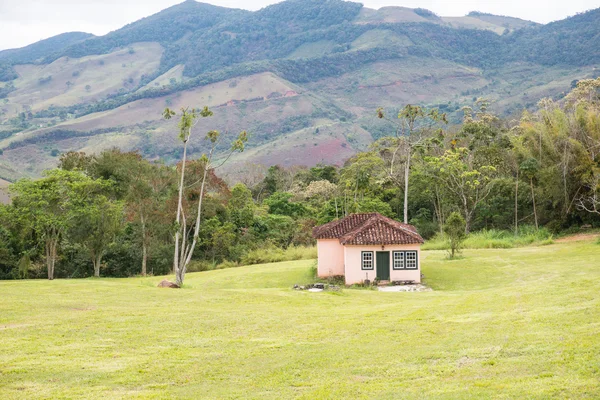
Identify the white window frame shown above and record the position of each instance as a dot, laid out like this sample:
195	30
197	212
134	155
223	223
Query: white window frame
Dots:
411	259
400	262
367	257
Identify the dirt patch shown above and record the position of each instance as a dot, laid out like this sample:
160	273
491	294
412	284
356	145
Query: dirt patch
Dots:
580	237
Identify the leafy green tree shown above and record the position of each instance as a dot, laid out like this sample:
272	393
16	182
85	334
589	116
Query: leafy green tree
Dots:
455	230
278	230
469	183
278	179
370	205
8	256
362	174
413	130
74	160
148	189
23	267
241	207
48	206
318	193
319	173
280	204
216	239
97	221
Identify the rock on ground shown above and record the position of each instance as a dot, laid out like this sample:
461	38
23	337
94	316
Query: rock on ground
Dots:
167	284
405	288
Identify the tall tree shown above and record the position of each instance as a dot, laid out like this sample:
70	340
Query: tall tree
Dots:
529	169
413	128
184	244
149	188
97	220
187	121
361	175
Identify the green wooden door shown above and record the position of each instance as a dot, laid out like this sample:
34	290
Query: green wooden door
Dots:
383	265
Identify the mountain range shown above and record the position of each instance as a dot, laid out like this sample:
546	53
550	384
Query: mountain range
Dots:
303	77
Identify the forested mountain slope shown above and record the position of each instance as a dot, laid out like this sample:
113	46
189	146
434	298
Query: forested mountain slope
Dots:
299	75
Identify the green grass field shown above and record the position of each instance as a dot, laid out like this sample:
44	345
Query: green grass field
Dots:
502	323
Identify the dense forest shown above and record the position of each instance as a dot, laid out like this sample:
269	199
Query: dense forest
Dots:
113	214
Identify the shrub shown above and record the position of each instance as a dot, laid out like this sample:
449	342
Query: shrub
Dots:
275	254
437	242
228	264
495	239
201	265
22	270
314	270
455	229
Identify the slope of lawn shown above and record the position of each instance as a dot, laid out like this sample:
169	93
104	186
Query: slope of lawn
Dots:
512	323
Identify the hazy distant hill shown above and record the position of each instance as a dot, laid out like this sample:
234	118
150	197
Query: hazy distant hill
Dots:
36	52
303	76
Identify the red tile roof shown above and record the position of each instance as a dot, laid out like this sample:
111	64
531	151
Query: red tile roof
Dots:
368	229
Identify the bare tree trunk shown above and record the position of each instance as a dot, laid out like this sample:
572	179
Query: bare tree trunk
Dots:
345	204
48	261
534	207
565	168
437	204
468	224
406	176
179	210
144	244
97	259
190	252
54	251
51	250
468	216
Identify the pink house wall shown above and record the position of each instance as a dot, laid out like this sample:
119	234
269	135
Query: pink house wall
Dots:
353	264
331	258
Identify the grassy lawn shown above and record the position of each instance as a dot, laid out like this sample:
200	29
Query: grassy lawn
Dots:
515	323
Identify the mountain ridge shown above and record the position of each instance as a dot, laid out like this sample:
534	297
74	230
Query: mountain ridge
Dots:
340	59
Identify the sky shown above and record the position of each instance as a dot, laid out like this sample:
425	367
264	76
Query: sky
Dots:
23	22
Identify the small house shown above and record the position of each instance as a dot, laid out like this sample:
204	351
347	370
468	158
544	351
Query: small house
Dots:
363	247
